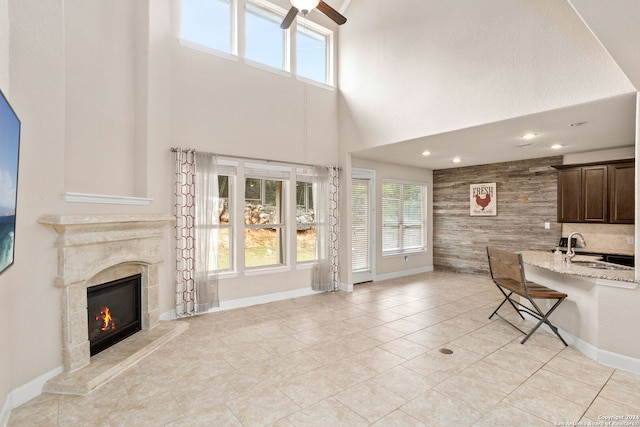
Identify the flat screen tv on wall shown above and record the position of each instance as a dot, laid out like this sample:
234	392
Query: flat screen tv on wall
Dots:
9	151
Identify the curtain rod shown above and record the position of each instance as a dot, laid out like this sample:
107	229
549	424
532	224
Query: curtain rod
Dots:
174	149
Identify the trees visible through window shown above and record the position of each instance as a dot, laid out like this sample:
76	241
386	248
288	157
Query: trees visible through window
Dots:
261	220
306	222
403	217
264	219
225	240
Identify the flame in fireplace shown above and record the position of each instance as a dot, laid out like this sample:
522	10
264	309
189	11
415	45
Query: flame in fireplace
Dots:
107	320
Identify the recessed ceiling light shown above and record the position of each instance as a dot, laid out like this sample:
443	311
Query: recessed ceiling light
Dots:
457	160
556	146
576	124
426	153
529	135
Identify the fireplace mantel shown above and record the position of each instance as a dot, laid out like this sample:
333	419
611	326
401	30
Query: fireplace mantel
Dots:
97	248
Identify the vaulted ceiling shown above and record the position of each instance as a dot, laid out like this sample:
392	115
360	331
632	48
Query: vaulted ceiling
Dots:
386	134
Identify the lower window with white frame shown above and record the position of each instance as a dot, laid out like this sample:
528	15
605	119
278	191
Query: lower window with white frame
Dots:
265	217
271	220
403	217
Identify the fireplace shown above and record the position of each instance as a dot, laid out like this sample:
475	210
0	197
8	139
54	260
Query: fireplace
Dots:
113	312
98	249
95	252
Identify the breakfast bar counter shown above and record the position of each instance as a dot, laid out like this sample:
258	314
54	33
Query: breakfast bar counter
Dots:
600	315
548	261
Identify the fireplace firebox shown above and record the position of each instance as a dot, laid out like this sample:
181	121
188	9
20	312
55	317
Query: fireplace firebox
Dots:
114	312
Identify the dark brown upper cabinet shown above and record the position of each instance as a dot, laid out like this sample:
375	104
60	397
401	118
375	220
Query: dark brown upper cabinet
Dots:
569	189
597	193
622	193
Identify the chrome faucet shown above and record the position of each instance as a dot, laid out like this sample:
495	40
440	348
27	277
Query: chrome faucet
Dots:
570	250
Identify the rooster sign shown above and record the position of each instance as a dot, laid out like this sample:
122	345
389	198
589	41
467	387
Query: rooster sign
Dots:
483	199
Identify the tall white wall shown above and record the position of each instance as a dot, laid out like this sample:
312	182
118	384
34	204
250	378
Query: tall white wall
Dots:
100	76
241	110
5	290
37	81
4	46
430	66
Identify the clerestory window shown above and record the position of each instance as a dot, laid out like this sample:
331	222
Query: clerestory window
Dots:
207	22
264	40
305	49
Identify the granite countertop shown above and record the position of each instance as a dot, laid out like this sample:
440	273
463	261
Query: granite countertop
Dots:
547	261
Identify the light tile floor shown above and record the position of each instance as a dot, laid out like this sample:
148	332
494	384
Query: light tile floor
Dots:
370	357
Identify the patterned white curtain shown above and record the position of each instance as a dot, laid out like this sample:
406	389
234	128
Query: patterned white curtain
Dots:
325	270
334	223
185	212
196	201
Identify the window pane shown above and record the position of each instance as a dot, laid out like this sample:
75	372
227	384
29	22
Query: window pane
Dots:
305	218
390	217
412	237
304	196
311	54
263	201
207	22
223	186
253	191
224	217
305	222
390	238
271	192
224	249
390	204
263	247
306	244
264	40
402	217
264	223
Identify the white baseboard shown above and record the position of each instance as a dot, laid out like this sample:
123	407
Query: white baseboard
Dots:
5	412
262	299
403	273
619	361
615	360
25	393
346	287
33	388
247	302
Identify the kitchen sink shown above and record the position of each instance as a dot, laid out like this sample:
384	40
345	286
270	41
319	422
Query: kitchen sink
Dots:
601	265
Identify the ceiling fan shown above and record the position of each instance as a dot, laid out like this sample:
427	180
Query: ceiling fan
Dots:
305	6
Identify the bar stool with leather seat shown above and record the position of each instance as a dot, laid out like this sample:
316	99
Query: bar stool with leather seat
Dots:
507	272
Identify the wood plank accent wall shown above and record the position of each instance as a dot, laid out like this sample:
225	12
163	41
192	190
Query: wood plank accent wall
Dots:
527	198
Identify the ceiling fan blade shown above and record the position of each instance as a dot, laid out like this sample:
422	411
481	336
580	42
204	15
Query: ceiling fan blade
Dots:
291	15
333	14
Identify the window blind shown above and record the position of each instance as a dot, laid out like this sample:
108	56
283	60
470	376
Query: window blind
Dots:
402	217
360	225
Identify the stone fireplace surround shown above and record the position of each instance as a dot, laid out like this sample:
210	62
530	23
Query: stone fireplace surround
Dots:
94	249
